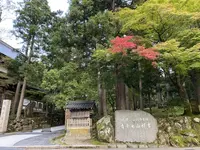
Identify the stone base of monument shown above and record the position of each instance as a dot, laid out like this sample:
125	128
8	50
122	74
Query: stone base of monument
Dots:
121	146
112	146
130	145
153	145
143	146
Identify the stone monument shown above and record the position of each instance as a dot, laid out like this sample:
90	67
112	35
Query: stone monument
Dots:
4	115
135	126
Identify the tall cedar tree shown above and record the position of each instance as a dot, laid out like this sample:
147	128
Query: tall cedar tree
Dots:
32	19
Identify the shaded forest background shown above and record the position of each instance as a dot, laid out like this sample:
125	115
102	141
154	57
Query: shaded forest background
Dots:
125	54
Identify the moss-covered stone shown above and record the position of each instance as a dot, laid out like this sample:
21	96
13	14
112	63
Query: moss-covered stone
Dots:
189	133
163	138
105	130
178	126
187	123
196	127
191	141
196	120
182	131
177	141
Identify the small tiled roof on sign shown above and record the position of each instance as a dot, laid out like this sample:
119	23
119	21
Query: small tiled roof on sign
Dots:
80	104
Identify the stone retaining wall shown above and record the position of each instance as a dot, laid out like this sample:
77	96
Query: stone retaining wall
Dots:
26	124
179	131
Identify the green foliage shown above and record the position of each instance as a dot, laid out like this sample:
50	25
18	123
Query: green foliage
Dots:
190	37
159	20
17	70
178	58
76	46
35	73
35	94
69	83
103	27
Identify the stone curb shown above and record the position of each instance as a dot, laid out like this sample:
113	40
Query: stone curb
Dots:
117	146
57	147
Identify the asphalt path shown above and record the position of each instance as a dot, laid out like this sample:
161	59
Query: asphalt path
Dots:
42	139
10	140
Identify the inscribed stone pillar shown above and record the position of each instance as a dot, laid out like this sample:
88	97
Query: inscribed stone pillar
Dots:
4	115
135	126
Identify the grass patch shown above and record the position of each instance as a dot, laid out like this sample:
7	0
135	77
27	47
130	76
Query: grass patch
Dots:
57	140
96	142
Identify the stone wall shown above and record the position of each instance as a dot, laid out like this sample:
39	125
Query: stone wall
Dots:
26	124
179	131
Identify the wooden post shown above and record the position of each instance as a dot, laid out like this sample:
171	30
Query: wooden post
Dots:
16	98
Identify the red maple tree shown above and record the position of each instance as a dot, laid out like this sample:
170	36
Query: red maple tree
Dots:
121	45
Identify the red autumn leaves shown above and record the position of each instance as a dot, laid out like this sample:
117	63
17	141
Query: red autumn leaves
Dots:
121	45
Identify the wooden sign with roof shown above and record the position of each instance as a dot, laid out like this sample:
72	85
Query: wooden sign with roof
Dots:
78	118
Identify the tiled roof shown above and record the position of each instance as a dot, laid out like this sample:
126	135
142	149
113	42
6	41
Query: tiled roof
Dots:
80	104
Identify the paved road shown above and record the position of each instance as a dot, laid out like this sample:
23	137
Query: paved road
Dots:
35	138
10	140
41	139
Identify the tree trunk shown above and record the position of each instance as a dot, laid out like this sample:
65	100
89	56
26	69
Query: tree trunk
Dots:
16	98
195	78
113	5
120	95
127	97
167	90
47	110
29	53
149	99
184	96
19	110
103	101
198	89
102	97
159	94
3	94
131	99
99	95
135	100
140	88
